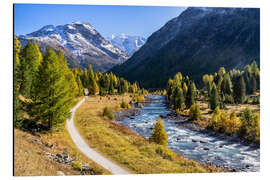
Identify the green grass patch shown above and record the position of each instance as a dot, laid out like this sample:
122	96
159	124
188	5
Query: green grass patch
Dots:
124	146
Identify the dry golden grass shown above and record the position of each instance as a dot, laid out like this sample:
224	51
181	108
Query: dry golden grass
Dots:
30	158
206	112
123	145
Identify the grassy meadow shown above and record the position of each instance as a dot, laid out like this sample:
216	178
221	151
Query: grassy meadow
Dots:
124	146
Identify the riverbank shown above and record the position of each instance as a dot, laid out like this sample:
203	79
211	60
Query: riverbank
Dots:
195	126
194	141
123	145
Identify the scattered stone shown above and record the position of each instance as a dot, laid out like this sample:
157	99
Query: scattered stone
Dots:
206	148
220	146
193	140
59	155
86	169
64	159
49	145
178	139
37	141
60	173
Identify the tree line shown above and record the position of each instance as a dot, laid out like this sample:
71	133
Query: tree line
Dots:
45	88
221	88
181	92
232	87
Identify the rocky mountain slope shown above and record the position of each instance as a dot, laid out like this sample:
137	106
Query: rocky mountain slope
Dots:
127	43
198	41
81	43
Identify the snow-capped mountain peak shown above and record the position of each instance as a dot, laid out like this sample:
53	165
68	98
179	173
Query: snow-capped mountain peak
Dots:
82	40
127	43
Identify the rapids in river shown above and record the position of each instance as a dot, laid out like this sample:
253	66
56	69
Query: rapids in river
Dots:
194	145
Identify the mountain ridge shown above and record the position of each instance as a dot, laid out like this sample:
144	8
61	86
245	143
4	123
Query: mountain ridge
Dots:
84	43
127	43
198	41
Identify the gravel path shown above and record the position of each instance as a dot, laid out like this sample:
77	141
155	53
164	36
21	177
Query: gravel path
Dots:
87	150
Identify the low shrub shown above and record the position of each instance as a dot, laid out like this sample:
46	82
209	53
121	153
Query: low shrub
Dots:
107	112
250	125
194	112
164	152
77	165
124	105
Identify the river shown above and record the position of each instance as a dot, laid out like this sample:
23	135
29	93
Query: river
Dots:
193	144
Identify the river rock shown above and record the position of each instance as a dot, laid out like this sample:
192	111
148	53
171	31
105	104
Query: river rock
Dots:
193	140
202	141
206	148
162	116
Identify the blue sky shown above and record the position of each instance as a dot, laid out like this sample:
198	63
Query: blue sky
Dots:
131	20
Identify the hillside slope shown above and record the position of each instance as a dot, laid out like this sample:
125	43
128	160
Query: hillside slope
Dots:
198	41
33	155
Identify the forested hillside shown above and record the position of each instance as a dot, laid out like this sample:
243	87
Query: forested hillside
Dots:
197	42
45	88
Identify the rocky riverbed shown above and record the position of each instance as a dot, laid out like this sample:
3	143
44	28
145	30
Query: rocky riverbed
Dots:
185	122
191	140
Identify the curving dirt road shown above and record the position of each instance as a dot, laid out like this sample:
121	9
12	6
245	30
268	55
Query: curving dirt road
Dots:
88	151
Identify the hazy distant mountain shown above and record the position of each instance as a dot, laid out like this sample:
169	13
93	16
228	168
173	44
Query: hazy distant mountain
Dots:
127	43
198	41
81	43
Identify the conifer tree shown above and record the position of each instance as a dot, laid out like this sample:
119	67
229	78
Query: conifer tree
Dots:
111	88
239	90
169	89
125	86
18	112
221	71
185	88
93	87
69	77
209	88
253	84
30	60
53	103
226	85
214	100
85	79
159	134
194	112
190	97
179	100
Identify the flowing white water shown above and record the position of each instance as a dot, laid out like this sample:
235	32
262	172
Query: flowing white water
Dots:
195	145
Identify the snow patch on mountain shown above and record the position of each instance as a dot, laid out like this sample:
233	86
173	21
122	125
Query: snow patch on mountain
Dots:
80	38
127	43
